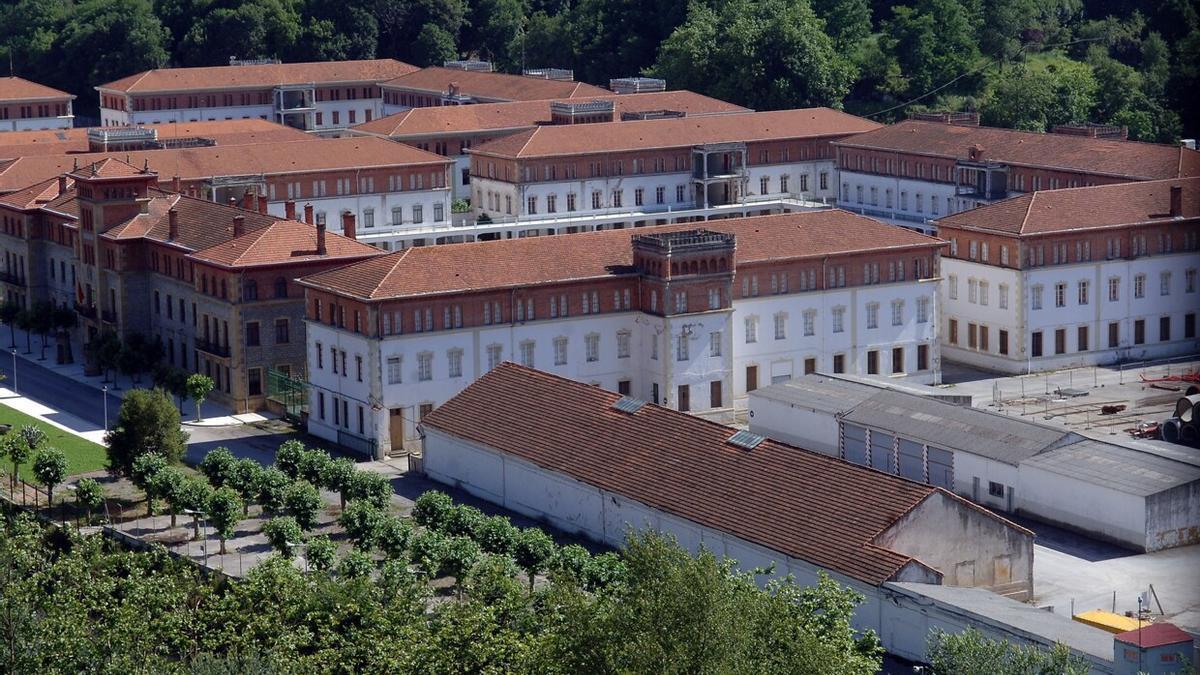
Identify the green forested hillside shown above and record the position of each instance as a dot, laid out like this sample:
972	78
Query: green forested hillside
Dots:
1020	63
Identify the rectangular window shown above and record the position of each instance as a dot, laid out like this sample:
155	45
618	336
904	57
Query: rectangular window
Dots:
1114	334
527	353
810	322
1164	329
897	312
623	340
394	370
1139	286
839	315
897	360
282	331
1083	292
592	347
1035	344
1060	341
1081	343
1189	281
751	329
751	378
494	353
1139	332
1002	339
454	359
952	286
780	326
252	337
1164	283
1189	325
560	351
714	343
425	366
872	315
681	347
839	363
1036	296
1060	295
873	362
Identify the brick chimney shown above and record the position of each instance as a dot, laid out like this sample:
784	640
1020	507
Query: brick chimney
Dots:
172	225
248	200
289	209
62	183
262	204
308	214
1176	201
320	235
239	225
348	225
176	185
233	202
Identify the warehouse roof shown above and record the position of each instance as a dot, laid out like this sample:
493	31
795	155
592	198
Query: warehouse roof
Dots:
1124	469
806	505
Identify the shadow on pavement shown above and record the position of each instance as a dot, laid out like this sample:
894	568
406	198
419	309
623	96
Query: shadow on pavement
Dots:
1071	543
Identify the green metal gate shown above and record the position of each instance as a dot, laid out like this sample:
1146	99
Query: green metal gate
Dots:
289	392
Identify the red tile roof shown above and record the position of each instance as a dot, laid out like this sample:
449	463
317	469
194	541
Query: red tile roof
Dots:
32	197
804	504
530	261
261	76
283	242
303	156
19	89
223	132
522	114
1107	157
550	141
1049	211
110	167
494	86
1155	635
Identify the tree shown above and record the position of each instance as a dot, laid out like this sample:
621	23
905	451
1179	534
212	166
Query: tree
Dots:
321	553
169	484
372	487
145	474
338	476
267	27
224	512
218	466
393	537
171	380
312	465
26	321
199	387
105	351
244	478
497	535
110	39
464	521
572	561
20	446
1037	98
284	534
194	496
8	314
432	508
846	21
461	555
289	456
272	487
603	570
146	423
435	45
795	64
362	521
42	322
532	551
971	653
63	320
89	494
356	565
303	502
934	43
428	550
50	468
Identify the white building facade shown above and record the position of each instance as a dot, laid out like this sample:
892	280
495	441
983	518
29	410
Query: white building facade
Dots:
695	341
1027	298
29	106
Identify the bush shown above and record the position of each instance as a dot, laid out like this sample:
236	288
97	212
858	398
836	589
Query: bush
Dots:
338	476
283	533
272	487
90	496
497	535
572	561
217	466
303	502
321	553
464	521
534	549
147	422
394	536
432	508
288	458
604	570
461	554
362	523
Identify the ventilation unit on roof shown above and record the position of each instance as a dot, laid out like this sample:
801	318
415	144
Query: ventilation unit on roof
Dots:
745	439
560	74
636	85
235	61
628	404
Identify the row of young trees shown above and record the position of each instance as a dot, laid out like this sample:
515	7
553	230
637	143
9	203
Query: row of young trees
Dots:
42	319
49	463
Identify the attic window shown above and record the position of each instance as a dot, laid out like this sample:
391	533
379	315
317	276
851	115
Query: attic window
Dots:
746	440
628	404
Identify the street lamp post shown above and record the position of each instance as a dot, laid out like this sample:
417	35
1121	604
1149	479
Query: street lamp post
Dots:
105	390
14	354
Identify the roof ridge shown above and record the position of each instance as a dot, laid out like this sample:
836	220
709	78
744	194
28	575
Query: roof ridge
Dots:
1028	210
383	278
529	140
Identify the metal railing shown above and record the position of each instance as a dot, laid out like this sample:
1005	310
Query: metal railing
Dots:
211	347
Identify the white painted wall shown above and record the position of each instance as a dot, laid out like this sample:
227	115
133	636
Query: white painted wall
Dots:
802	427
36	123
1115	515
381	204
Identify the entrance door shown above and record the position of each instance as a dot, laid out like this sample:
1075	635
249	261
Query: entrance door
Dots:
714	393
396	428
685	398
751	378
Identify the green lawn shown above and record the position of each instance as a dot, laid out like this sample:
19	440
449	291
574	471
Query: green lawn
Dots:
82	455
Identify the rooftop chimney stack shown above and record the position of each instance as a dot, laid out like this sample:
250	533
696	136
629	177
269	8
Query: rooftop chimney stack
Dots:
176	185
62	183
248	200
239	225
289	209
308	214
348	225
172	225
233	202
320	235
1176	201
262	204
